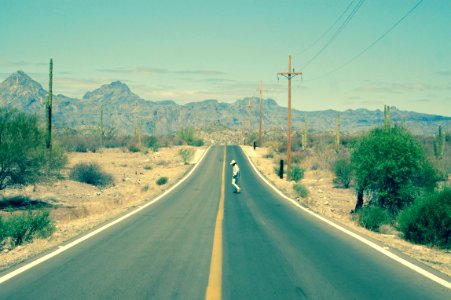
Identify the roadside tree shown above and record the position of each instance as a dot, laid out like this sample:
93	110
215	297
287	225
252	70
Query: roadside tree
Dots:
23	155
391	169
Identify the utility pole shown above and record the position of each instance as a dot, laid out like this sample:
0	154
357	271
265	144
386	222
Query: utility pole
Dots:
260	144
288	75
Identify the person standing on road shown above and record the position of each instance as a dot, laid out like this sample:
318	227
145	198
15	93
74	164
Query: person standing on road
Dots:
235	176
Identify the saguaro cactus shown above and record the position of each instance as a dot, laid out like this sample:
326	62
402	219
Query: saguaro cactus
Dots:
337	135
387	117
49	108
101	127
439	144
304	135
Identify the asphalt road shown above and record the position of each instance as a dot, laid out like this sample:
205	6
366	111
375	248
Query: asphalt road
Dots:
271	250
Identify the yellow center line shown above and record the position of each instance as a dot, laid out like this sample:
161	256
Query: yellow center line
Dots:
215	279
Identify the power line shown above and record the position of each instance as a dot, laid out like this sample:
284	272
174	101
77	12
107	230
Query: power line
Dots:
327	31
337	32
371	45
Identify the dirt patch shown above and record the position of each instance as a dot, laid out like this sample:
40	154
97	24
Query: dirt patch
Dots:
336	204
78	207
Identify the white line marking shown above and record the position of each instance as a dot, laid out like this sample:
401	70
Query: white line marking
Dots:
93	233
356	236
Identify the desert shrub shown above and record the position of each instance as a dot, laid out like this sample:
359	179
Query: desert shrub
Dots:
145	188
372	217
90	173
23	155
296	173
343	172
133	148
428	220
301	190
2	229
147	167
269	155
186	154
22	202
162	180
392	166
187	135
315	166
24	227
151	142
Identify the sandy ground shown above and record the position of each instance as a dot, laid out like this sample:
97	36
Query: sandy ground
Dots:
79	207
336	203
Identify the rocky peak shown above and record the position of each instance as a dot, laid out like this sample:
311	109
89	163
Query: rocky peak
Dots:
116	89
20	81
22	92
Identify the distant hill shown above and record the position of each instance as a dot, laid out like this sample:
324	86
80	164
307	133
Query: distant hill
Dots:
124	110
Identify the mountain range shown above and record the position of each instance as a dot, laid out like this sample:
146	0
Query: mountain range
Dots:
123	110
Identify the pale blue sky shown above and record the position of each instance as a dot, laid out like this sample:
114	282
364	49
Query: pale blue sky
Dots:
199	49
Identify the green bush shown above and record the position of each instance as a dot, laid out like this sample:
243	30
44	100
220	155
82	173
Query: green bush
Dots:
145	188
151	142
162	180
187	135
343	172
90	173
372	217
186	154
23	154
2	229
133	148
301	190
24	227
428	220
296	173
392	166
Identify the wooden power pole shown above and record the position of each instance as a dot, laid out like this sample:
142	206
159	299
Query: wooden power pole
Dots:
260	144
290	74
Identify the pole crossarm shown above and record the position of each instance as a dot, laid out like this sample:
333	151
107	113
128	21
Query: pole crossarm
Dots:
289	75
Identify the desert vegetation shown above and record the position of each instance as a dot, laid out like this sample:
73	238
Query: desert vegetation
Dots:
89	175
400	180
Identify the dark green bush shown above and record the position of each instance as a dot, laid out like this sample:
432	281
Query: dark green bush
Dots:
296	173
133	148
187	135
90	173
151	142
428	220
24	227
372	217
392	166
301	190
23	154
162	180
343	172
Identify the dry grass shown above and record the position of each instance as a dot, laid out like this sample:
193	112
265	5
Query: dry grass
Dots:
82	206
336	203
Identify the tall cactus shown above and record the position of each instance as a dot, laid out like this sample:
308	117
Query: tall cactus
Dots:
101	127
439	144
337	135
49	108
387	117
304	135
138	132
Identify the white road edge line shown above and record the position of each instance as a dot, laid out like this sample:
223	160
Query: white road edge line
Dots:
97	231
354	235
